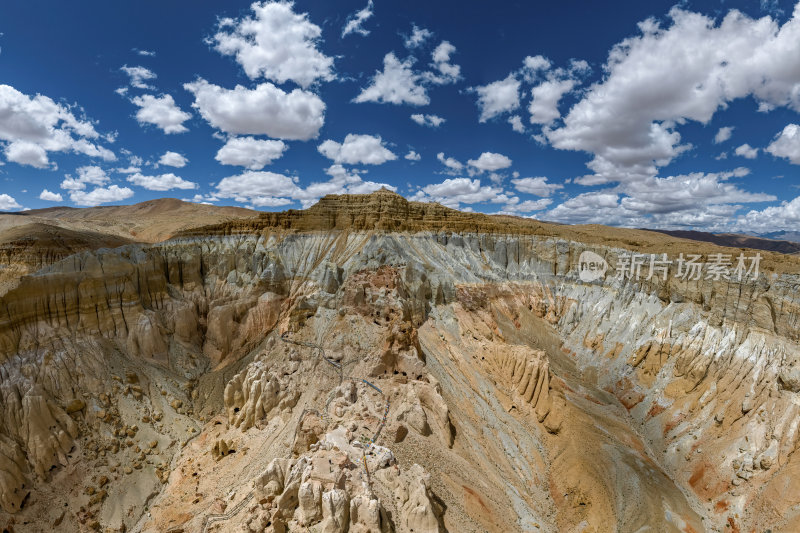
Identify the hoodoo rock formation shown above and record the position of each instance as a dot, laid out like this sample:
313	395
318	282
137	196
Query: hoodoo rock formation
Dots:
372	364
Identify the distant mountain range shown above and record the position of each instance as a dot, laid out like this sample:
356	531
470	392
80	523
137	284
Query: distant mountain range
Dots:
786	242
793	236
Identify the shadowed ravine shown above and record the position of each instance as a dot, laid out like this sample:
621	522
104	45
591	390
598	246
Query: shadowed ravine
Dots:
599	476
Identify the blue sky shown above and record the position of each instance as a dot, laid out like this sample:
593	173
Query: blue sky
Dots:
641	114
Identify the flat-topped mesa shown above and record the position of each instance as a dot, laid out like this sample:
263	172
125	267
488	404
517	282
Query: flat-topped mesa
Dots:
386	211
382	210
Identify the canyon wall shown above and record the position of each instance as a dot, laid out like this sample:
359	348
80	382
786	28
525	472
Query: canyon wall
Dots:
554	402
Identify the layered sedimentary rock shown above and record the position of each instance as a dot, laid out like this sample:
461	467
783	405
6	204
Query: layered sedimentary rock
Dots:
29	247
31	240
531	400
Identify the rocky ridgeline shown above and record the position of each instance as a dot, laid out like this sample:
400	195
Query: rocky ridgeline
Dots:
38	245
386	211
382	210
31	247
693	385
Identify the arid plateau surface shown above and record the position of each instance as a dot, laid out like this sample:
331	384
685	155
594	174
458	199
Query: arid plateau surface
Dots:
371	364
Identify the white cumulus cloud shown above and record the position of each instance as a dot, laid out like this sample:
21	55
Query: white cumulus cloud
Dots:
708	200
357	149
546	96
86	175
259	188
27	153
249	152
746	151
33	126
355	22
276	43
787	144
139	76
589	207
533	66
7	203
162	112
516	123
432	121
397	83
100	195
666	76
265	110
453	192
516	207
723	134
490	161
173	159
163	182
270	189
785	216
453	164
49	196
538	186
417	37
444	71
498	97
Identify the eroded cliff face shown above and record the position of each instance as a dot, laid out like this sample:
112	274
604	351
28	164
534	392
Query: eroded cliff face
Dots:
32	240
29	247
156	377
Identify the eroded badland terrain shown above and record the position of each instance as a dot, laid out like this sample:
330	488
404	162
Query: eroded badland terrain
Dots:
374	365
